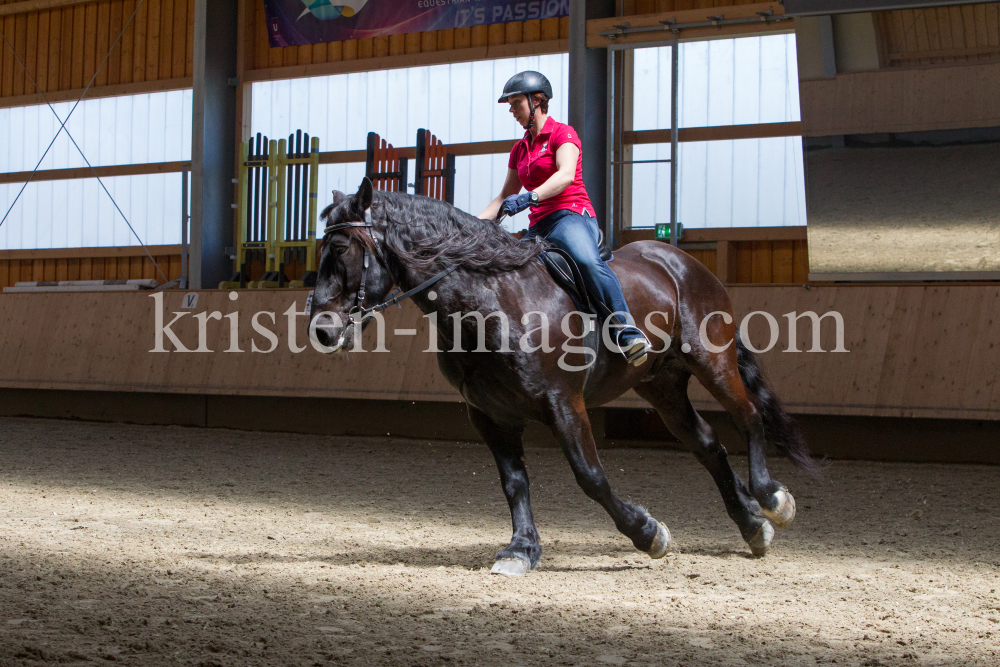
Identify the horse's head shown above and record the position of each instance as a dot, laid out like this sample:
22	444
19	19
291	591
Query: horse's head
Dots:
352	273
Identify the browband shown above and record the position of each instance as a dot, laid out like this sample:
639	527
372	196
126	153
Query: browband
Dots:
394	298
343	225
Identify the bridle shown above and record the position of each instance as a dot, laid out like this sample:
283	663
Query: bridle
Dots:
394	298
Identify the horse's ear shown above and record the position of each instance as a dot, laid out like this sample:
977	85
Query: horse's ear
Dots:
364	197
338	197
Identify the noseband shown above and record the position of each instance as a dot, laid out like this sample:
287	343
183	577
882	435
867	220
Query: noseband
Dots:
395	297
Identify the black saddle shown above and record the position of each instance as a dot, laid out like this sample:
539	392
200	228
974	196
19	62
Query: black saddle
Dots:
563	269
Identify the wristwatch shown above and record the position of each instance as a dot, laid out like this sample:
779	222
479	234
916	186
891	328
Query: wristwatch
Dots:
533	197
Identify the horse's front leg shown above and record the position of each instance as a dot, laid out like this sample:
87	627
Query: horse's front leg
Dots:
524	551
571	426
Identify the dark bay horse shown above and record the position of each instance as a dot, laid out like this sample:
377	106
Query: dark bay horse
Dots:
377	240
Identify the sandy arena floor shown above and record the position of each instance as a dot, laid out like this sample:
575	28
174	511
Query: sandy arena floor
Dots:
149	545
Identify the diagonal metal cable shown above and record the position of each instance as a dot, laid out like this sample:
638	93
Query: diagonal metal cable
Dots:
63	122
80	150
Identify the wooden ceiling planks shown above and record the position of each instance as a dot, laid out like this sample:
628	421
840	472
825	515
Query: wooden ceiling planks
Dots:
64	44
940	35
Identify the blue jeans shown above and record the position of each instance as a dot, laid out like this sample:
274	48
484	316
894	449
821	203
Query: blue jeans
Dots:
578	235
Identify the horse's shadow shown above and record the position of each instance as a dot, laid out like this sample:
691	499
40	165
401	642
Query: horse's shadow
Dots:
468	557
719	552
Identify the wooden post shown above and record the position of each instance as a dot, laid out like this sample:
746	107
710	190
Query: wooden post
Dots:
242	206
313	199
449	189
435	170
722	261
275	199
418	176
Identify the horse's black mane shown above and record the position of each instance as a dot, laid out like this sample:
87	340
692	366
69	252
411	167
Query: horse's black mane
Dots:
427	234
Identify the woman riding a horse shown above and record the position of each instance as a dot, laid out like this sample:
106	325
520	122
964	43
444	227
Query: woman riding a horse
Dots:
548	162
458	268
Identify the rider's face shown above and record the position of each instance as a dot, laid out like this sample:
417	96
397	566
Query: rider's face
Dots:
519	109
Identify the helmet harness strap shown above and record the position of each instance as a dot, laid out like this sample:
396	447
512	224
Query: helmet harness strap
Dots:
531	112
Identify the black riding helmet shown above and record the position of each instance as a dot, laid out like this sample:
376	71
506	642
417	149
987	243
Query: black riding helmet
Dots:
526	83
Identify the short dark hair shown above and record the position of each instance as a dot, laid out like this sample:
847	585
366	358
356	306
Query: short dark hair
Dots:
541	101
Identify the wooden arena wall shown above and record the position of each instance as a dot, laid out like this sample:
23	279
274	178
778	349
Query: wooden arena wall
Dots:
913	350
758	255
755	255
89	264
902	100
925	69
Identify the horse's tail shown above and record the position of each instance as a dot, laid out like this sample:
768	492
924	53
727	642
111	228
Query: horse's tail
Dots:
779	428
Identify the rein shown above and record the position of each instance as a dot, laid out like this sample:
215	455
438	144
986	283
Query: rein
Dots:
394	298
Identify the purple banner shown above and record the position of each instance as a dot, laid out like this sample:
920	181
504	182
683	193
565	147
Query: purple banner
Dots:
297	22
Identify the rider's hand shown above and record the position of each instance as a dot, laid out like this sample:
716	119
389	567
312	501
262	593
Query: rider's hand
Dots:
516	203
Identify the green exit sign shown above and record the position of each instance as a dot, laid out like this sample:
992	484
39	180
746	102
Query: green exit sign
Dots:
663	231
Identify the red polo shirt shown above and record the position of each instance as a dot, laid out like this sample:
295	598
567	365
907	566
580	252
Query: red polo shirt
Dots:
535	164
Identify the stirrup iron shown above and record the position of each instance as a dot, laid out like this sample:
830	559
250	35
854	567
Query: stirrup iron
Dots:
636	352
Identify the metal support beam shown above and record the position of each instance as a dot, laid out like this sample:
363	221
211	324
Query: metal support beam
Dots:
827	49
185	220
826	7
213	152
609	152
588	100
675	86
719	21
614	139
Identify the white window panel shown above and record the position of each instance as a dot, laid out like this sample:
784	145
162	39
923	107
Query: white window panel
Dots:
738	183
741	183
722	82
154	127
457	102
135	129
77	213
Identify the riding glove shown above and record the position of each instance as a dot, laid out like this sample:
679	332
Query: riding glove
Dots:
516	203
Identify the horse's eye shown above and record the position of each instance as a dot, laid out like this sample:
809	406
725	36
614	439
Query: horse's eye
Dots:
340	249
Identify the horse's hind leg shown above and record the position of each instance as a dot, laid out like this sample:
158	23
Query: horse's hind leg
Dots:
668	395
524	550
571	427
720	375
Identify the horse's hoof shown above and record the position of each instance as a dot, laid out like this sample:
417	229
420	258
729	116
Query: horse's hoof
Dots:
785	513
661	543
511	567
762	540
